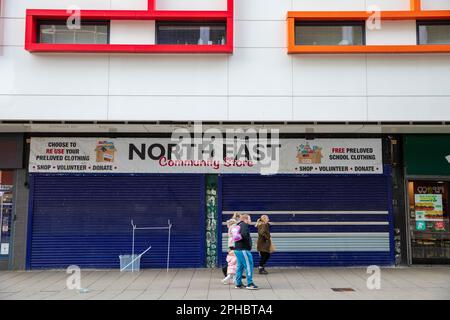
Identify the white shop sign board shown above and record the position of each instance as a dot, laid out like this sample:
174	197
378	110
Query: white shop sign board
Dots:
163	155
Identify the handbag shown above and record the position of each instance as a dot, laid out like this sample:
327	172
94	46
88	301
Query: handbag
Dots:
272	248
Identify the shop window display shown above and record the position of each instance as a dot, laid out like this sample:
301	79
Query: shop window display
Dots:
429	221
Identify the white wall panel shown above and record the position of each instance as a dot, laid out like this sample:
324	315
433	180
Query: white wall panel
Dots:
436	4
393	33
262	9
408	74
48	108
329	75
17	8
13	31
330	109
265	72
52	74
132	32
167	108
409	108
129	4
260	109
329	5
389	4
349	5
259	34
191	4
168	74
2	32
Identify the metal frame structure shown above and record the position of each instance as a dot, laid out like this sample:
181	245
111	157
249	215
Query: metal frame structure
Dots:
169	228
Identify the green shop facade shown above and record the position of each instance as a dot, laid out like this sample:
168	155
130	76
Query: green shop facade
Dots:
427	183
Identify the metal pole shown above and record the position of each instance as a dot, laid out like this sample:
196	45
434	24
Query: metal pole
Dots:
132	248
168	246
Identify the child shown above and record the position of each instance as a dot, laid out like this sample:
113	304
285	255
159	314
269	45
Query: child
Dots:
230	241
231	271
230	224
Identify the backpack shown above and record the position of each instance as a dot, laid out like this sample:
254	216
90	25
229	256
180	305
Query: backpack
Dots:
236	233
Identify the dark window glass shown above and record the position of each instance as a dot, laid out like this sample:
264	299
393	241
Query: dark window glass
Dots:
59	33
434	32
191	33
329	33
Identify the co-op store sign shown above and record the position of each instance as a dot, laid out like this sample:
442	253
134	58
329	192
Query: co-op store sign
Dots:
156	155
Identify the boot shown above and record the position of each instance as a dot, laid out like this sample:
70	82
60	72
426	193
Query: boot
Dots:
262	270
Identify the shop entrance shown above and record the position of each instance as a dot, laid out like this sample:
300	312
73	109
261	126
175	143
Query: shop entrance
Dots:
428	221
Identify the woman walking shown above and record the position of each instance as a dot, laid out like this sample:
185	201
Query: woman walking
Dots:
264	245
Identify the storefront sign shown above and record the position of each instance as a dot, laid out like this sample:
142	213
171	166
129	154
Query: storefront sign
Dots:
427	155
152	155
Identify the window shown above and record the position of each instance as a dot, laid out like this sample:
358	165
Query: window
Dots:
429	221
191	33
57	32
433	32
330	33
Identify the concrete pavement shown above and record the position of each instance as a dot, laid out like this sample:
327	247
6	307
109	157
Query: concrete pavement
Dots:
419	283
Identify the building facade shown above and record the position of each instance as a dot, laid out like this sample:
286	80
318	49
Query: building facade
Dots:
349	99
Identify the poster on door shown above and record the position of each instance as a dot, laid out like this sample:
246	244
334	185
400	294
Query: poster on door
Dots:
429	207
4	249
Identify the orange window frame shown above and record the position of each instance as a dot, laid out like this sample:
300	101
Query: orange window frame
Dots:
415	13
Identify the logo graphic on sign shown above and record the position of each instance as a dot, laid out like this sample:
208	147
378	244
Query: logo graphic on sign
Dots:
105	151
308	155
421	225
439	226
448	158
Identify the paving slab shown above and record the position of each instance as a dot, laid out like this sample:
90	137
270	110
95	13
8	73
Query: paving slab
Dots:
416	283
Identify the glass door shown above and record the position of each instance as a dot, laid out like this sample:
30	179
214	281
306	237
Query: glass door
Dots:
428	203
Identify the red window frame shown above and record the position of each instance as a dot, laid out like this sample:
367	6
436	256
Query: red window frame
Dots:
33	15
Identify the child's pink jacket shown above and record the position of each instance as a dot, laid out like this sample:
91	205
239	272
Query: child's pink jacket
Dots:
232	261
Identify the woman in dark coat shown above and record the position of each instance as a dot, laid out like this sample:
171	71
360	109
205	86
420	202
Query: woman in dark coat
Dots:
264	242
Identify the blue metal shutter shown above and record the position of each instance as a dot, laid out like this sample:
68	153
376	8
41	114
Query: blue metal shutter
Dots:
326	220
85	219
